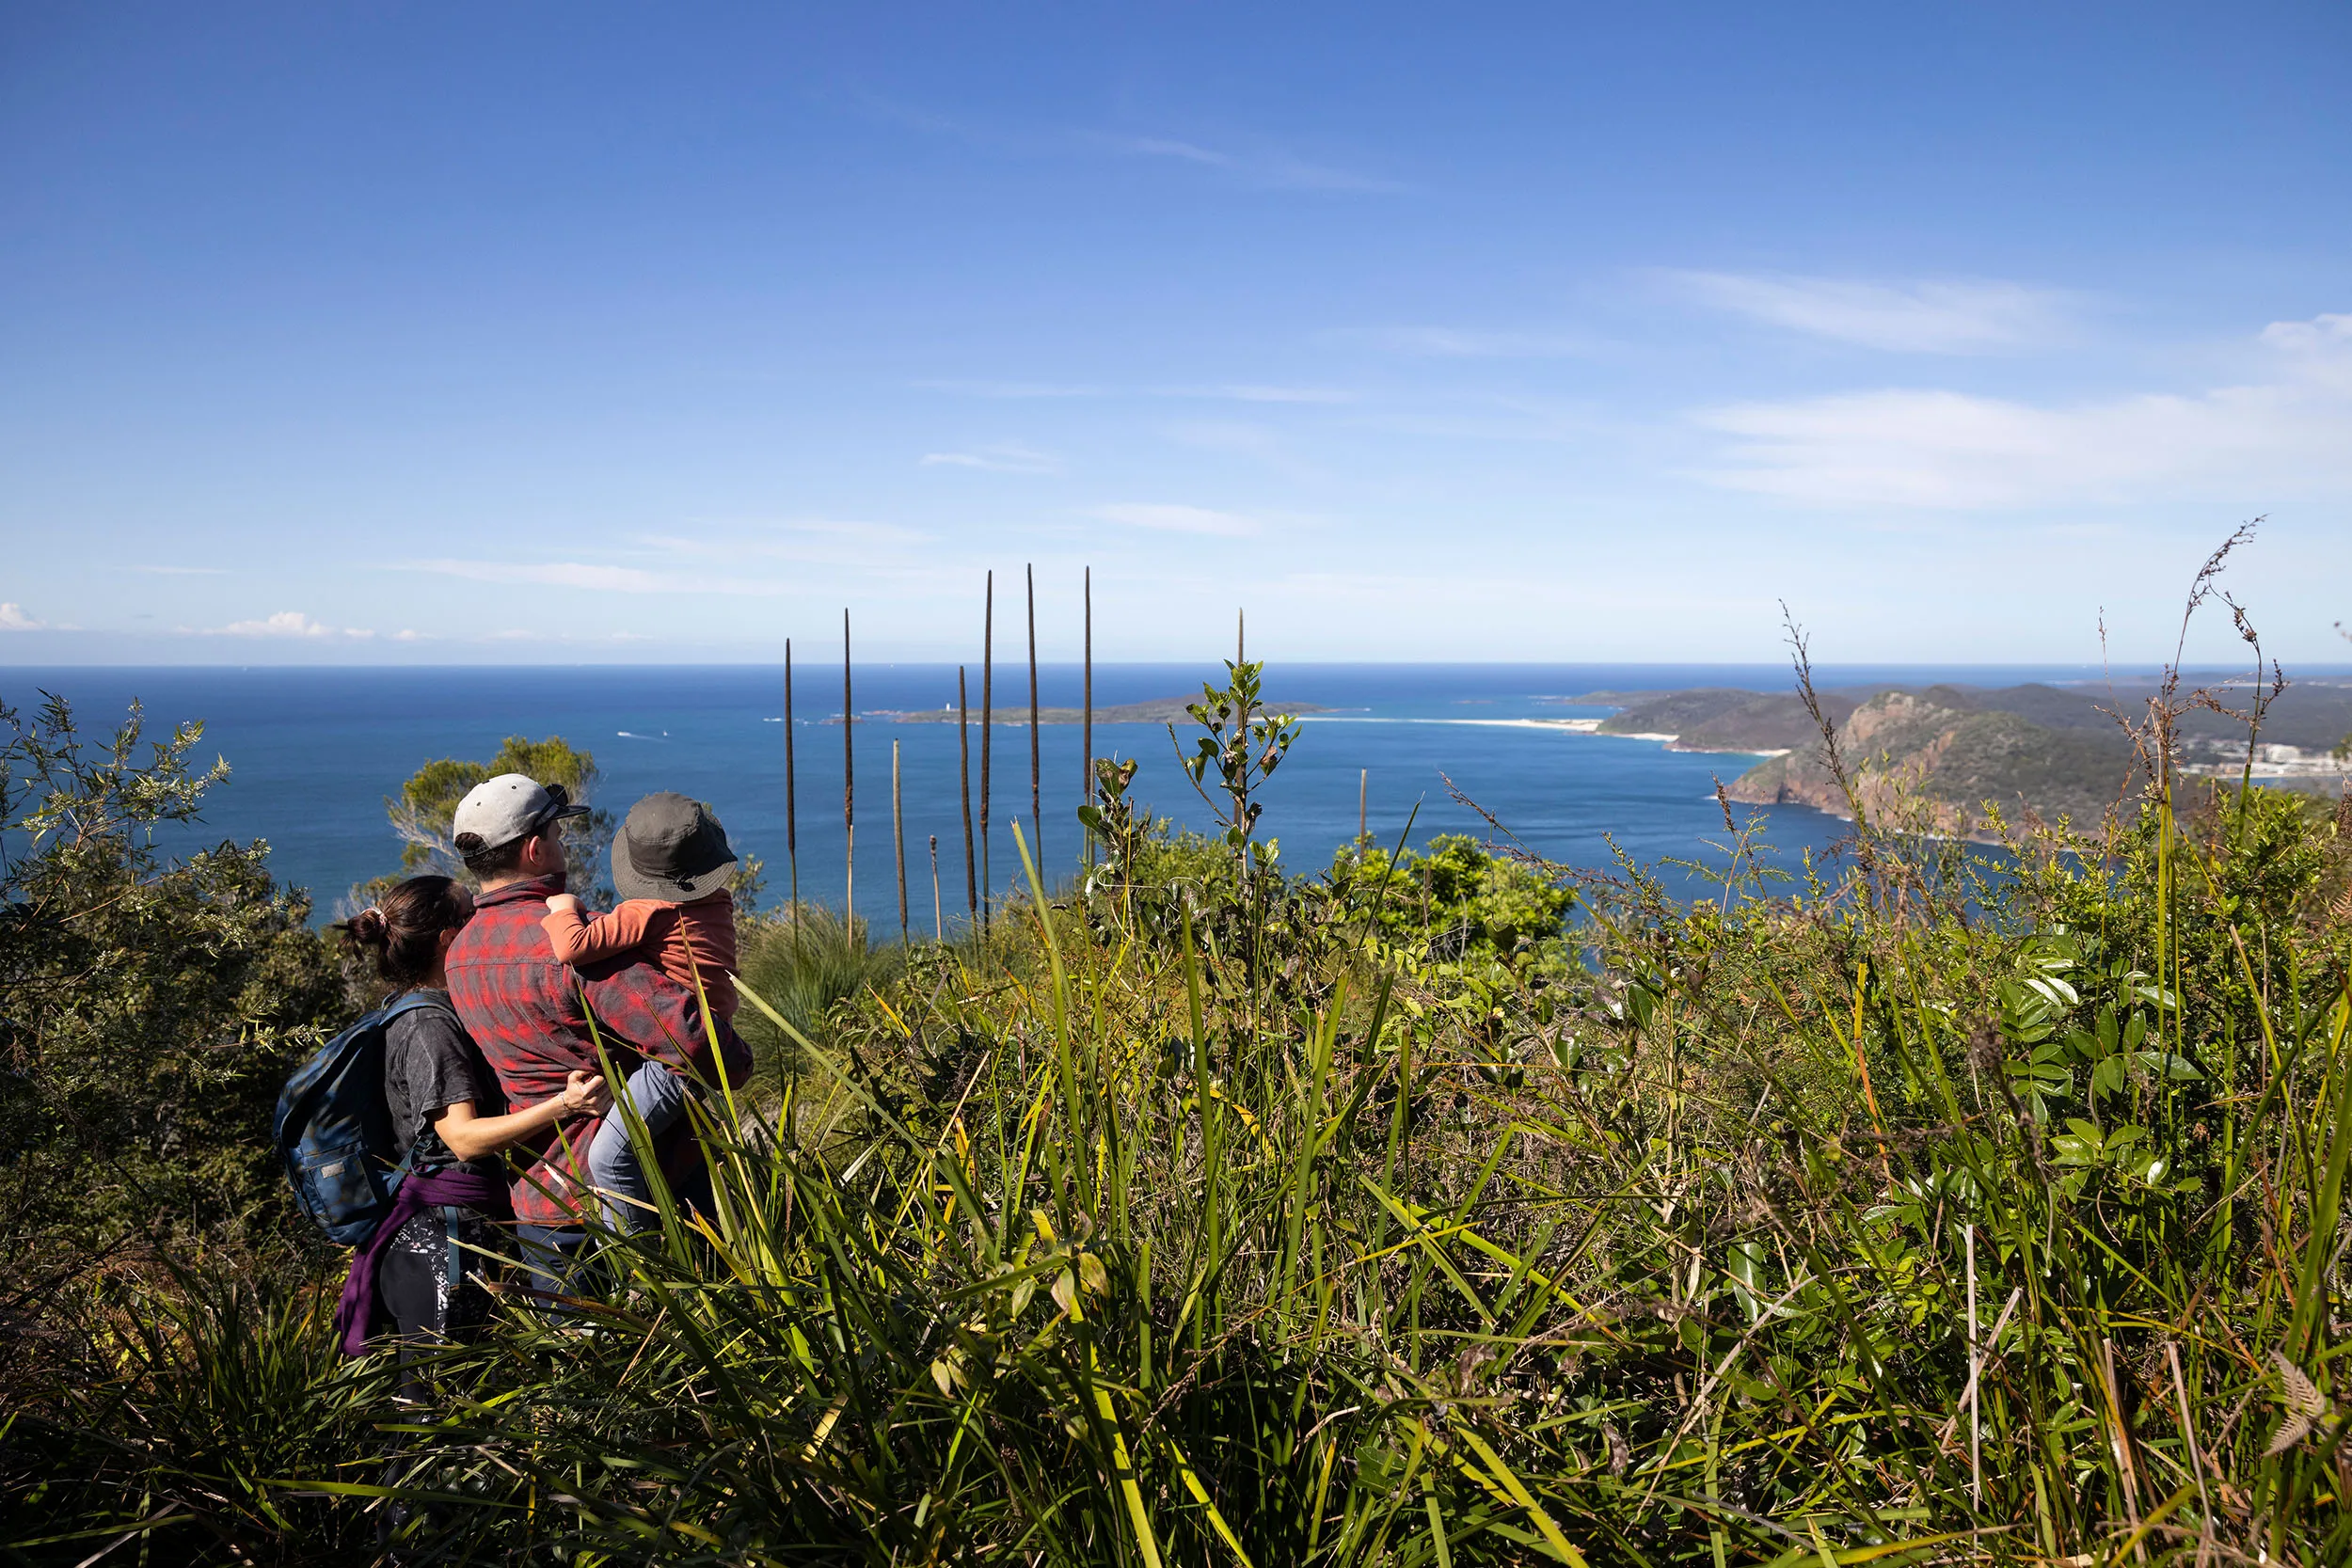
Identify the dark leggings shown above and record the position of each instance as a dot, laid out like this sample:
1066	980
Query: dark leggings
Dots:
430	1281
430	1284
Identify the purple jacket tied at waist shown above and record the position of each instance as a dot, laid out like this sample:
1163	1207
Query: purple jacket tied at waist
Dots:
354	1315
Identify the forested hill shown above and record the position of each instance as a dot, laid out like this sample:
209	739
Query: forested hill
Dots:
2052	751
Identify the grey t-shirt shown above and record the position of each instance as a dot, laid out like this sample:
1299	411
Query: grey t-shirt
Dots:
430	1063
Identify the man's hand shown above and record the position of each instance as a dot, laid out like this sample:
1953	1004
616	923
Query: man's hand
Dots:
584	1094
563	903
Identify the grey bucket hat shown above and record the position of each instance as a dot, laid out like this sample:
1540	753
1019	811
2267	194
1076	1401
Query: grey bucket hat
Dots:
671	849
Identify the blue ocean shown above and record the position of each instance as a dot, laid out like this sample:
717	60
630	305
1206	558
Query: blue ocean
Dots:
313	754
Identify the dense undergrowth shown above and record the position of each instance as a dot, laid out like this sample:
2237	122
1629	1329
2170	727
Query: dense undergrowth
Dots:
1917	1208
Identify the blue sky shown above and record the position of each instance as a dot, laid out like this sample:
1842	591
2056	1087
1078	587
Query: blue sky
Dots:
589	332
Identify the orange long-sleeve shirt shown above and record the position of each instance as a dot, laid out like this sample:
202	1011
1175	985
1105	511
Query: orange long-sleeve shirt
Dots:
678	937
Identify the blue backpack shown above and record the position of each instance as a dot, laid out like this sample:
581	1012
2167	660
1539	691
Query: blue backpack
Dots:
334	1129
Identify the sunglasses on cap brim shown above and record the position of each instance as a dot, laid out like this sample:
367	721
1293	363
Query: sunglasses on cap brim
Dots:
558	807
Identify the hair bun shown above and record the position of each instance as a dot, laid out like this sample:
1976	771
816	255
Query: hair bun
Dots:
403	931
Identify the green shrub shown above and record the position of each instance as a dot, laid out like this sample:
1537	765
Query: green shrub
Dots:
1460	902
421	814
149	1009
809	962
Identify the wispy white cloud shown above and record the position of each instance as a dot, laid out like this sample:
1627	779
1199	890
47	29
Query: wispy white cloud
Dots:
2244	443
1934	316
1454	343
13	617
803	541
1260	163
1002	457
183	571
910	116
1261	443
1168	147
1176	519
2320	349
524	634
1489	416
566	574
1272	169
286	623
1013	389
290	624
1253	393
1405	340
1253	440
853	530
709	561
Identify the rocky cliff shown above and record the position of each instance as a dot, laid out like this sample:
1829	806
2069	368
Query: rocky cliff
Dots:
1950	756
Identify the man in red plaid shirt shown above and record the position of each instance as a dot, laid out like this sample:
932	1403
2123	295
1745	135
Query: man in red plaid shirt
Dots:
530	1012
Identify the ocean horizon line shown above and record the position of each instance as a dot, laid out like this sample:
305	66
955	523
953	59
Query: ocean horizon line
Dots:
2135	669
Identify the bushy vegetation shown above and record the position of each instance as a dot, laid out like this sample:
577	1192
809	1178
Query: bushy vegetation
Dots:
421	814
149	1011
819	972
1444	1207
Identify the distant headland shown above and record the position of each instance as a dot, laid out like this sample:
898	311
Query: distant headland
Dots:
2034	749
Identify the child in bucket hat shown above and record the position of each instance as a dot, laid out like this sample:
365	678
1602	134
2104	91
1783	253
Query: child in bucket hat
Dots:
670	864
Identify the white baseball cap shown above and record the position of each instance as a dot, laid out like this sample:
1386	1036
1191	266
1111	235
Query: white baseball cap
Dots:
497	812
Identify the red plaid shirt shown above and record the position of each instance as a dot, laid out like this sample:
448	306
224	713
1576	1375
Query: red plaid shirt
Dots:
529	1013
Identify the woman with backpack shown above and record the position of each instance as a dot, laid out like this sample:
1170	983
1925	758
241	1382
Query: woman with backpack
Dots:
424	1269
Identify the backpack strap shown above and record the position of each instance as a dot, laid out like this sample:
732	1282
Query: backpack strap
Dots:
451	1216
409	1001
295	1114
399	1173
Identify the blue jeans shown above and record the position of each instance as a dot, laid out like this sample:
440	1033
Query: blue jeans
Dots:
614	1168
551	1261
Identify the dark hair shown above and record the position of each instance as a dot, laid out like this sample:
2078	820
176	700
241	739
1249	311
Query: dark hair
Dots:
485	861
402	930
